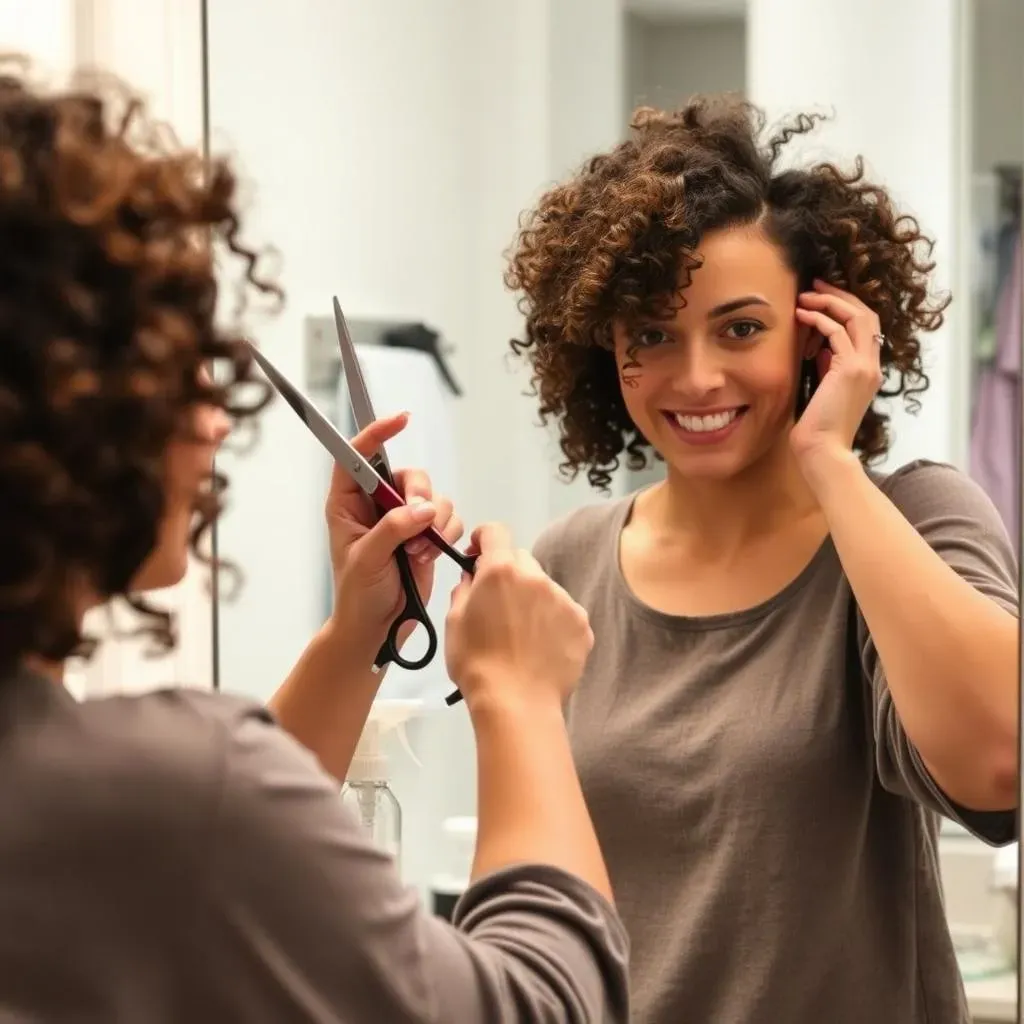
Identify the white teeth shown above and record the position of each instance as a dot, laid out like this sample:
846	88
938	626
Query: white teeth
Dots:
705	424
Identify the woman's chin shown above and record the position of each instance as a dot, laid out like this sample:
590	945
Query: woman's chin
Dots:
161	570
711	463
717	470
167	563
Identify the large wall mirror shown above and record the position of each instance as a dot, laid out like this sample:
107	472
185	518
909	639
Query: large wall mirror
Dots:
761	818
391	149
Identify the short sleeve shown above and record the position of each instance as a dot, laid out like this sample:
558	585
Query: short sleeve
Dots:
306	920
959	522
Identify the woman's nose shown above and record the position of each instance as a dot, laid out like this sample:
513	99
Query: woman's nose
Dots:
698	371
214	425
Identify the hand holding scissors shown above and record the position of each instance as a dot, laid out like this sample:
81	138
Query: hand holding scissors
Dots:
373	475
363	543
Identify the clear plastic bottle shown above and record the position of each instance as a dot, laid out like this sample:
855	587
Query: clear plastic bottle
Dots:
378	811
367	792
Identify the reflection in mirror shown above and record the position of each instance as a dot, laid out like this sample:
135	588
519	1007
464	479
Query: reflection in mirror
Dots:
803	796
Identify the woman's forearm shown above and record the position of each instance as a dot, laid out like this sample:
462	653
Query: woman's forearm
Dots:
530	806
949	653
326	698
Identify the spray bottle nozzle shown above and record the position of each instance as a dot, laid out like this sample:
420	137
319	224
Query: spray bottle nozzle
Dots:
369	762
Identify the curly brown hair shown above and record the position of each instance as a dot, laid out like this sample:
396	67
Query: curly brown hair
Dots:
107	316
614	242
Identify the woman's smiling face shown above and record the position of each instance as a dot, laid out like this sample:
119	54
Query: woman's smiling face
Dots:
713	387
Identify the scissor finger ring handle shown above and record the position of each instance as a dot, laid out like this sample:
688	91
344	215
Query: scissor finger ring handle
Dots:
413	611
394	653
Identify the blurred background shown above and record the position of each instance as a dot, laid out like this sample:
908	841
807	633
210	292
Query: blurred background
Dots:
388	149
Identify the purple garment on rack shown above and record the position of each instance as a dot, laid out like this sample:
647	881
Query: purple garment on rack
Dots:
995	435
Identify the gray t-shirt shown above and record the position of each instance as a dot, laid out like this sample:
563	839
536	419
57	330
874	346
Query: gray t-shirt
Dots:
770	831
177	858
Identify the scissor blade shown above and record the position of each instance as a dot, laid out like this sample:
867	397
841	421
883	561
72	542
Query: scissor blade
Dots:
320	427
359	397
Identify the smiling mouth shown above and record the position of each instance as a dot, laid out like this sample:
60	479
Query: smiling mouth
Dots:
710	423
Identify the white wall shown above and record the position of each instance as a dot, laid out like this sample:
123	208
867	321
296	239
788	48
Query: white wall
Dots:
44	31
671	61
391	149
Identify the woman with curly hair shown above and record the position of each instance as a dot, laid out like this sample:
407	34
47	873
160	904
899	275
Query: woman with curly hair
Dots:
800	663
177	856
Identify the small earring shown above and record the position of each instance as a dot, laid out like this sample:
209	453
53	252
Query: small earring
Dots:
805	381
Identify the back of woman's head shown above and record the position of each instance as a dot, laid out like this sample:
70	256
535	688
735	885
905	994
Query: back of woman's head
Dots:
619	240
107	303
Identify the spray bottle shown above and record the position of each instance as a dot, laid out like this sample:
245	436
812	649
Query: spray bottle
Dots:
367	791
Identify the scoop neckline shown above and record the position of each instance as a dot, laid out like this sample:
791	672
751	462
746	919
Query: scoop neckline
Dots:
720	620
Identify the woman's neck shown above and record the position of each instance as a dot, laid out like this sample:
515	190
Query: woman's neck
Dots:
727	514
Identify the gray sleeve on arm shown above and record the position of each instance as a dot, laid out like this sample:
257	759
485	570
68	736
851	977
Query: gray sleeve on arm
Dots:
313	923
960	523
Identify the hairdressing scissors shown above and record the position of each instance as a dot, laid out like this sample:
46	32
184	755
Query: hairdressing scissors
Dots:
374	476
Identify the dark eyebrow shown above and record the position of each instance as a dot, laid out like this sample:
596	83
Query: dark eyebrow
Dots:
734	304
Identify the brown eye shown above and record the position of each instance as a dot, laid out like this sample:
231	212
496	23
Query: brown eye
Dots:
744	330
650	337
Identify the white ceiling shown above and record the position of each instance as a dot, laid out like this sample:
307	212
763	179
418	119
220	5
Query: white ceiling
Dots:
679	10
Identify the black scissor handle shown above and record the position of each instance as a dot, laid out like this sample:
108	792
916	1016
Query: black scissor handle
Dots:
413	611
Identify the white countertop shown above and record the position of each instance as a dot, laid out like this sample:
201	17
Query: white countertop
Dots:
993	999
